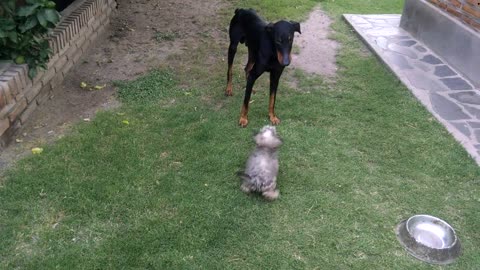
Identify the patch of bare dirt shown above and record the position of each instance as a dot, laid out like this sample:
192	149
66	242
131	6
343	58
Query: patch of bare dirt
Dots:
145	34
142	35
317	50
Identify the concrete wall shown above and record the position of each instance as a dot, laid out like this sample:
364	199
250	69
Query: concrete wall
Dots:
443	33
19	95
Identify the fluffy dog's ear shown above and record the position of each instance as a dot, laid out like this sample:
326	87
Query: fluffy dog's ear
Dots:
296	26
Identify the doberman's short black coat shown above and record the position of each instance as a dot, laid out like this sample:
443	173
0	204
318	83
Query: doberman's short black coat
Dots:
269	49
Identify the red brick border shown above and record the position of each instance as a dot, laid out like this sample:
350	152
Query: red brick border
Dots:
19	96
467	11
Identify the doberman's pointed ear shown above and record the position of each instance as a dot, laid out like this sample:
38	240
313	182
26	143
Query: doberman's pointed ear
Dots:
296	26
269	28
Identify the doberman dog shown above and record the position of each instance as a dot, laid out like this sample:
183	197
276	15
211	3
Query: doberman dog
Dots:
269	49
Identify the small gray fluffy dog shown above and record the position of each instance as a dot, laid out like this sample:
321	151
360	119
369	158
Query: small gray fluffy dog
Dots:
262	166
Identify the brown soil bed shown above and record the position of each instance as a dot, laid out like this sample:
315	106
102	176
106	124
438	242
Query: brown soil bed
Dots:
142	35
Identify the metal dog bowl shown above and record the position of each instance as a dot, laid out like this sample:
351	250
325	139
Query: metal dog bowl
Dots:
429	239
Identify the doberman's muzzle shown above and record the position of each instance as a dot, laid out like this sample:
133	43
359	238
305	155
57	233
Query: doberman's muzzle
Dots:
284	57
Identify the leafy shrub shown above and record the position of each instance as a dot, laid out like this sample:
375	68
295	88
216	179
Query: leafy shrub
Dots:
23	32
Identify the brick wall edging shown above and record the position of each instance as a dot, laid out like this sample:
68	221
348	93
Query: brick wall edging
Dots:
467	11
19	95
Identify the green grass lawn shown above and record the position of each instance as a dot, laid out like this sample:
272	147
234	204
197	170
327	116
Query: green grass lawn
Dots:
161	192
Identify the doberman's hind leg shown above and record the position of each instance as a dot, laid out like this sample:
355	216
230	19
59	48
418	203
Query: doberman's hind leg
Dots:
249	66
254	73
232	49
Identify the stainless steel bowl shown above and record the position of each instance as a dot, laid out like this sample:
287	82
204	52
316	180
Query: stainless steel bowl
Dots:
429	239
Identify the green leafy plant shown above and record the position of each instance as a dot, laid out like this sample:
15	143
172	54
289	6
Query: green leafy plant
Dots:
23	32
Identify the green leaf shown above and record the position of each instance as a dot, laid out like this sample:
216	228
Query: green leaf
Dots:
37	39
26	11
9	6
29	24
43	54
9	27
42	18
32	71
7	24
13	36
52	15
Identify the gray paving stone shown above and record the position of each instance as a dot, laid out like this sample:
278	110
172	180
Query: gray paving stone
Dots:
473	111
474	125
407	43
387	31
422	66
477	135
376	21
364	26
403	50
387	17
359	20
431	59
382	42
420	48
470	97
457	83
424	81
444	71
394	21
447	109
462	127
398	60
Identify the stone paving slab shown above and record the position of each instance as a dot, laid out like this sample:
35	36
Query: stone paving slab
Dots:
448	95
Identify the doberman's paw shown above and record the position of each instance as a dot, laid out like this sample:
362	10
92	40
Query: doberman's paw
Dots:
274	120
229	91
243	122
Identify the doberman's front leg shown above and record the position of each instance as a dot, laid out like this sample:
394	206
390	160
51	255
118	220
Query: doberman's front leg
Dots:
274	78
252	77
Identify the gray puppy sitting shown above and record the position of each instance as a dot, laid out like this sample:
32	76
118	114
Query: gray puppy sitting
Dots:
262	166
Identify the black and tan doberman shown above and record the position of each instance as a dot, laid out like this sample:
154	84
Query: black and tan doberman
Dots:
269	49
